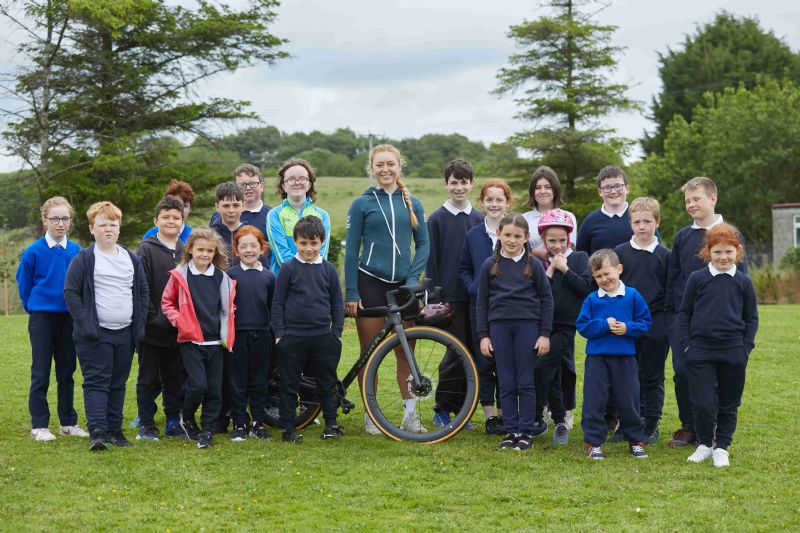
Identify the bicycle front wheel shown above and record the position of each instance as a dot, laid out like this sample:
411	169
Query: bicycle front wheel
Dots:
446	369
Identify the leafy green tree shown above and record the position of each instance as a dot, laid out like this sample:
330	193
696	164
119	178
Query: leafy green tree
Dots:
326	163
724	53
119	76
746	141
565	75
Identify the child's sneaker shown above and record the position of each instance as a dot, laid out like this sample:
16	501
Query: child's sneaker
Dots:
72	431
173	428
524	443
720	458
239	433
546	415
595	452
331	432
117	438
97	441
441	419
42	435
683	437
258	431
637	450
147	432
190	427
204	440
569	420
412	424
651	435
495	426
702	453
292	436
561	435
369	426
508	442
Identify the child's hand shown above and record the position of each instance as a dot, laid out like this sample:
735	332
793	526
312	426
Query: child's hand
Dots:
542	346
549	271
486	347
559	262
619	328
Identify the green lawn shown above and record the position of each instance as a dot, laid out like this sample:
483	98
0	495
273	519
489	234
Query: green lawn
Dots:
373	483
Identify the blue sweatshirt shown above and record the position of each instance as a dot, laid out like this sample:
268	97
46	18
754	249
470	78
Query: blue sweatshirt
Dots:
308	300
683	261
599	231
476	250
446	232
718	312
512	296
41	274
379	229
592	322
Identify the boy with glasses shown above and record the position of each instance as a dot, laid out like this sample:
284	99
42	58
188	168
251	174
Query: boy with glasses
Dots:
608	226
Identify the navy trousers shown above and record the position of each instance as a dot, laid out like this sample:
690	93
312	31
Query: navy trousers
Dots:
160	372
716	381
203	365
488	386
51	341
513	342
680	378
322	353
452	386
611	376
106	367
248	377
651	353
548	374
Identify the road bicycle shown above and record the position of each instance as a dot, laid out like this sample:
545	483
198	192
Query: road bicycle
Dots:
439	364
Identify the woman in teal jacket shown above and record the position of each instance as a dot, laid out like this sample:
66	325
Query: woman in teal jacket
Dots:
382	224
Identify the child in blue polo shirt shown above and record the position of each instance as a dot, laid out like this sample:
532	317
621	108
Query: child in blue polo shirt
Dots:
611	319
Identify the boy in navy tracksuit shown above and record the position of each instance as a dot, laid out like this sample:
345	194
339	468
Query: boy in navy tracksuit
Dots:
106	294
645	261
160	369
700	195
40	280
308	320
611	319
447	227
717	328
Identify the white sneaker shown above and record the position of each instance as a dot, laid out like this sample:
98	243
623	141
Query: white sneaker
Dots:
72	431
546	415
42	435
702	453
720	458
412	424
369	426
569	420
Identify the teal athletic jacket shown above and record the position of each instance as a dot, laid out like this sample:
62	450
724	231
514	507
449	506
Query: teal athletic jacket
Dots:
281	220
379	238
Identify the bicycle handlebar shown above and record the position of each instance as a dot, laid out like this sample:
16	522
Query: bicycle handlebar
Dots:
413	292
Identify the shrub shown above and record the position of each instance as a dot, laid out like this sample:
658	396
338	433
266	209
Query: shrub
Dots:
791	261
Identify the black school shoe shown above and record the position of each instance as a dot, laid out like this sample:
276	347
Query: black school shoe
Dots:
495	426
539	428
259	431
97	441
190	427
291	436
239	433
332	432
509	441
117	438
204	440
524	443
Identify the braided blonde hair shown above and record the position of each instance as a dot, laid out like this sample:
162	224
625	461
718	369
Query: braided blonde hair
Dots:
400	185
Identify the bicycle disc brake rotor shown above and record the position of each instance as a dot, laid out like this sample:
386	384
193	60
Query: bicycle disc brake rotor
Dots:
423	391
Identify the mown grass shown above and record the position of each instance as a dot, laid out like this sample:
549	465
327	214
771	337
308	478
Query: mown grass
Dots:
370	483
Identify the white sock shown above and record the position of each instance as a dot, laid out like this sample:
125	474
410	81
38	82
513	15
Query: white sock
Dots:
409	406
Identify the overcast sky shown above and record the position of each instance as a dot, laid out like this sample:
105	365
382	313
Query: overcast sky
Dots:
410	67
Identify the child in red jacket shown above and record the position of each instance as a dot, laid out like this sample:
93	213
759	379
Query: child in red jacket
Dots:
198	301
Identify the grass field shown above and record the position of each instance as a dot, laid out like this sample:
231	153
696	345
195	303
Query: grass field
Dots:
371	483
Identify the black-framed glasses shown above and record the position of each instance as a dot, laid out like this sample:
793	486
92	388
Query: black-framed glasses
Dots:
250	184
617	187
56	220
294	181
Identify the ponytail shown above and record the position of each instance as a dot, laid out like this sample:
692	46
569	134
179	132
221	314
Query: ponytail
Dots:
527	272
407	200
496	266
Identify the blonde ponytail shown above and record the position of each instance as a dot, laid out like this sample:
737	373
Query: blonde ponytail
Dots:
407	200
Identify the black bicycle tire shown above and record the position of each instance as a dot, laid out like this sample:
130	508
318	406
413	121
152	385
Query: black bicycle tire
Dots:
385	348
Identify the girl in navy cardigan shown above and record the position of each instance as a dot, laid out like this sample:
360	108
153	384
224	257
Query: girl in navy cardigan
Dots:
40	280
717	326
515	315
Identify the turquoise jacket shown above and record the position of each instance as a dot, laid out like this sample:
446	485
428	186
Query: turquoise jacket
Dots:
379	238
280	228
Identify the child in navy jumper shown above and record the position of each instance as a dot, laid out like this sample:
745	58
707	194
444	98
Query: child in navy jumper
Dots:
700	196
608	226
717	327
40	280
198	301
160	370
447	227
250	361
249	178
645	261
611	319
106	294
570	283
515	316
228	205
308	320
479	243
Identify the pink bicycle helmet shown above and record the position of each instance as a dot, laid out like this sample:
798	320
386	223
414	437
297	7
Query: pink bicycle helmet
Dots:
555	218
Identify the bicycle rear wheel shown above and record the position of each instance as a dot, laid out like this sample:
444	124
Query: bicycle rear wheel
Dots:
308	407
437	353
